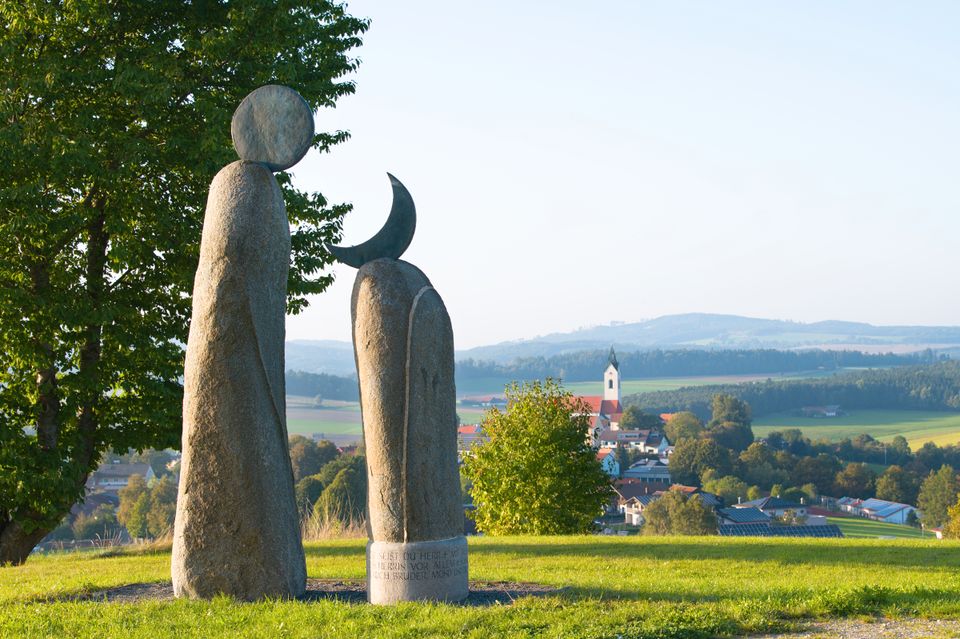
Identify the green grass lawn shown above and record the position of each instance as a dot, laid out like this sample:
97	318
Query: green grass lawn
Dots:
857	528
917	426
681	587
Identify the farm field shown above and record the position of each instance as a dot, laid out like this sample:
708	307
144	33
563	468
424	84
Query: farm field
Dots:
663	587
918	427
340	421
495	385
335	420
858	528
649	385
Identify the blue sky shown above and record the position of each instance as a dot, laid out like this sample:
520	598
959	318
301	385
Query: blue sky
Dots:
580	163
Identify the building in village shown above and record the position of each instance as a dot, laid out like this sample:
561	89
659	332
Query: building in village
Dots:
648	471
775	506
608	462
606	411
111	477
890	512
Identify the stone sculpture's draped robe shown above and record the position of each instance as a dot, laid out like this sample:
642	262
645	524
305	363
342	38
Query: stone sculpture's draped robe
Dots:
237	528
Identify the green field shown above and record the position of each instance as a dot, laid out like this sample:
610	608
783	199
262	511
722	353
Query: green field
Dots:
635	587
857	528
495	385
917	426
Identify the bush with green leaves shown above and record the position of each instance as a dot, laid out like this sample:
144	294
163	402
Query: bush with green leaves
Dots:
537	473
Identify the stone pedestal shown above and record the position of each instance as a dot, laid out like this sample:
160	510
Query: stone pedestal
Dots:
415	571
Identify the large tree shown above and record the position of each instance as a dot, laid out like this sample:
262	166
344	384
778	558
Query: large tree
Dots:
116	116
536	474
937	494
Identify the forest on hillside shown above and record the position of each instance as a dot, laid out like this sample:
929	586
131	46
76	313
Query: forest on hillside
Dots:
589	365
925	387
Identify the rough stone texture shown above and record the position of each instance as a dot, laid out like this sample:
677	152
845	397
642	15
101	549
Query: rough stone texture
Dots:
404	348
274	126
237	530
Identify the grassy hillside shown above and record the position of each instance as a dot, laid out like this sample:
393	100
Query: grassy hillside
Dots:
917	426
631	587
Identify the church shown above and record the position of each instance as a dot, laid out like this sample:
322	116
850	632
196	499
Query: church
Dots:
606	411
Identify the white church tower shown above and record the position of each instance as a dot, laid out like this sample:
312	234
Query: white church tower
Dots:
611	379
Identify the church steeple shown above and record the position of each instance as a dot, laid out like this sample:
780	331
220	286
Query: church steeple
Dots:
611	378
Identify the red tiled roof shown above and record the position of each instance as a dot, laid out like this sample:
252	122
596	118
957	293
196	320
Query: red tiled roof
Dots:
610	406
593	402
603	453
469	429
684	489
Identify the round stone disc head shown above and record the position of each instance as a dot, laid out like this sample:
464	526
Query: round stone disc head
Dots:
273	126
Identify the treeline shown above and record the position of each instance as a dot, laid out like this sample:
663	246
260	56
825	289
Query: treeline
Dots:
928	387
722	457
322	385
588	365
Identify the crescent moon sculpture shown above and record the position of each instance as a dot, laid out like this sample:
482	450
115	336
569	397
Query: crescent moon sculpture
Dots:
391	240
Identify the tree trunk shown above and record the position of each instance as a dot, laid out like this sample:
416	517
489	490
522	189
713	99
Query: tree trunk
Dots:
16	543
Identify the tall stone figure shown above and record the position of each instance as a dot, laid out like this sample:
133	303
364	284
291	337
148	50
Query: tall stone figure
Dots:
403	342
237	529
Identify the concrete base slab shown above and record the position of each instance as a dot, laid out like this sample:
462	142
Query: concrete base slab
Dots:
417	571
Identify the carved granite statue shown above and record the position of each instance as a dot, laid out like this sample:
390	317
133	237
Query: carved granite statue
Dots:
237	528
403	344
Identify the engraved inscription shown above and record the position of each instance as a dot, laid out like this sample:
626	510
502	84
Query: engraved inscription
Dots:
418	565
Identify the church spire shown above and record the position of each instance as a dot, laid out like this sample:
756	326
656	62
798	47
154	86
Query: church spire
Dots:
611	379
613	359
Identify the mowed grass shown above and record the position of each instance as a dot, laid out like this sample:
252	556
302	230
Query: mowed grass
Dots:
857	528
613	586
918	427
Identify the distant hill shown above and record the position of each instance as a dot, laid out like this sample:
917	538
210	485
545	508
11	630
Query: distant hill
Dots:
704	330
691	330
320	356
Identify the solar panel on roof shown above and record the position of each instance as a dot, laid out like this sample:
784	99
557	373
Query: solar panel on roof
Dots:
766	530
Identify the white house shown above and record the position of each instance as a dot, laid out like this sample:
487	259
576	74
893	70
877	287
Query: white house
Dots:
648	470
890	512
111	477
608	461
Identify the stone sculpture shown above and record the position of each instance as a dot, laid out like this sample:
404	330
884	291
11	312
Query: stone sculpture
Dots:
403	343
237	528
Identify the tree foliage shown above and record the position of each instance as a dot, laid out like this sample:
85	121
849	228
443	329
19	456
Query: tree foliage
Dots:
116	118
683	425
937	494
344	497
929	387
308	456
855	479
693	457
675	513
537	473
583	365
635	419
148	511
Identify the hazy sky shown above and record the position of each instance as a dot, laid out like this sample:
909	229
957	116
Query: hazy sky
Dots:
580	163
